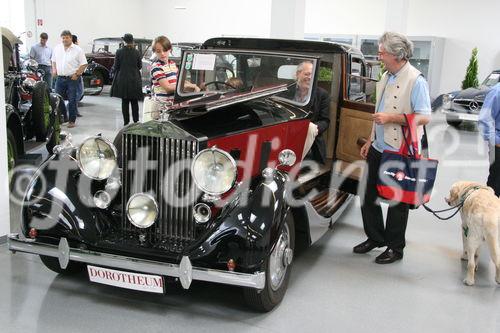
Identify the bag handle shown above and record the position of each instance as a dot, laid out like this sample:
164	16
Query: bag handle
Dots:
410	146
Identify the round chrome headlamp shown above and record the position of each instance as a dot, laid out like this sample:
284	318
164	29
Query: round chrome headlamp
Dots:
97	158
201	213
214	171
102	199
30	64
29	83
142	210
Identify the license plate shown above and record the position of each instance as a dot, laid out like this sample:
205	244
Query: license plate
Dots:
128	280
465	116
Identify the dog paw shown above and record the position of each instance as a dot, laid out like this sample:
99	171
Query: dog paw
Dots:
468	282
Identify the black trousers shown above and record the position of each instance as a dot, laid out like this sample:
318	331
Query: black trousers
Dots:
494	176
135	110
393	235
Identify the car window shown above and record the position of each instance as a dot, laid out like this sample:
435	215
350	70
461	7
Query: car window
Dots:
360	87
225	71
492	79
148	54
176	51
105	47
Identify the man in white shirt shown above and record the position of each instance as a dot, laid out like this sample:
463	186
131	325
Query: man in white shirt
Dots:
68	63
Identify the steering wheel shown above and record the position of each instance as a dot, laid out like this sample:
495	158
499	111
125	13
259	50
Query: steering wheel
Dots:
217	84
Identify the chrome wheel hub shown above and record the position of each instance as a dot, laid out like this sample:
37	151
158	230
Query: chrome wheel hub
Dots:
280	259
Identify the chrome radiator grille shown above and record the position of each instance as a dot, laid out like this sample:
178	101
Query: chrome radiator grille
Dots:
161	167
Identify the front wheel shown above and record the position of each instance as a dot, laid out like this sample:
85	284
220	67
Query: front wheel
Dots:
278	270
40	110
12	153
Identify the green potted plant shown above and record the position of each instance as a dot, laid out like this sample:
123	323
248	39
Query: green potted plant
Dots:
471	80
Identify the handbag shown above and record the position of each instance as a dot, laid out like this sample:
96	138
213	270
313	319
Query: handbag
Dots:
150	109
406	176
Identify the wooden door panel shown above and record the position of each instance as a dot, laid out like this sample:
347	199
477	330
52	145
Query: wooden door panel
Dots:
355	129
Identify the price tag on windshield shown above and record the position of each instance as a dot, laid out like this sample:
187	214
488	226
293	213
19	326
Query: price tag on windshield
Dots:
204	62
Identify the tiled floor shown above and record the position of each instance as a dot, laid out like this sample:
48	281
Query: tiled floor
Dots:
331	289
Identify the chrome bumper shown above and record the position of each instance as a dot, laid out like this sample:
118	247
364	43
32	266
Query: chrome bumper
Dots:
184	271
461	115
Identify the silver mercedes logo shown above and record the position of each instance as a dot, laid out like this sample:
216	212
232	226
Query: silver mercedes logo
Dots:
473	106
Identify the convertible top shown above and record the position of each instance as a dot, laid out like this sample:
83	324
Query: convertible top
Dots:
283	45
120	40
9	40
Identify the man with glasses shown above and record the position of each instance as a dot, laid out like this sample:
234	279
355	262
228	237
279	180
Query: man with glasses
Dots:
401	90
42	54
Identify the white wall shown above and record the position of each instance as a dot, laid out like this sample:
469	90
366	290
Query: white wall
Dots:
287	19
87	19
464	24
198	20
360	17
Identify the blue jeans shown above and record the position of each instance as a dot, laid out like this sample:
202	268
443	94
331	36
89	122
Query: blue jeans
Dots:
69	88
79	92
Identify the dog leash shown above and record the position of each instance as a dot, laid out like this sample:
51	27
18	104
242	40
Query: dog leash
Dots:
457	206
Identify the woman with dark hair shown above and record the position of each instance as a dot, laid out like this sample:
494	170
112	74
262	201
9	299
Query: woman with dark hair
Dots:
127	81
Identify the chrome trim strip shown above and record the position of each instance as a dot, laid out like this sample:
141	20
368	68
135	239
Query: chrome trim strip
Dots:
318	225
184	271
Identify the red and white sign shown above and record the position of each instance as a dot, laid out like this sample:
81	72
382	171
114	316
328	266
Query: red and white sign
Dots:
39	22
128	280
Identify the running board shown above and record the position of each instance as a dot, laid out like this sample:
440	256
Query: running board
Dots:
318	223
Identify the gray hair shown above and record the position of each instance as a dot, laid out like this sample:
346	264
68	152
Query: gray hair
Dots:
397	44
300	67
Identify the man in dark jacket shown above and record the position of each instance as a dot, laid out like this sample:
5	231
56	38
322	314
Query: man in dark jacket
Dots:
319	105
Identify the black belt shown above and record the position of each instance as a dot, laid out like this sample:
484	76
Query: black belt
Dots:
40	65
65	77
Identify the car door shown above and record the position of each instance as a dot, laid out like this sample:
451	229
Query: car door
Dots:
357	105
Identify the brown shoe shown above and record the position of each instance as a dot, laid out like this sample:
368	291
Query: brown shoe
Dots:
71	125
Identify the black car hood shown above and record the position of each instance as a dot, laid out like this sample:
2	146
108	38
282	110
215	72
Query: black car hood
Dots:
473	93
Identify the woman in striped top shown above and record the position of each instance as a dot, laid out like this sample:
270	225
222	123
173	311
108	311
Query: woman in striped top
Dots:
164	71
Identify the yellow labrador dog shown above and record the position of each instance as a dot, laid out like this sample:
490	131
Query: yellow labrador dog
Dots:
480	221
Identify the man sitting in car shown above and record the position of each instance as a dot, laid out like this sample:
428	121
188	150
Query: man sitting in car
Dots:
319	105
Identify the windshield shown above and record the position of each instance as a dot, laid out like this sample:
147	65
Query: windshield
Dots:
105	47
492	80
233	71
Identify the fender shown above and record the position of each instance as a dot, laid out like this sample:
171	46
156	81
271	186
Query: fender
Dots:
94	66
60	211
245	233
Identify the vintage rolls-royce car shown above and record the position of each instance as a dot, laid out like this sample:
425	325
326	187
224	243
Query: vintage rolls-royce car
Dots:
101	60
216	188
